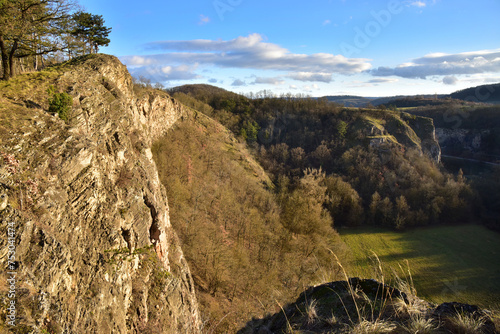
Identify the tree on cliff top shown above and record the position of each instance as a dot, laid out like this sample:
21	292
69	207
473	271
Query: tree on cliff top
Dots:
91	29
30	28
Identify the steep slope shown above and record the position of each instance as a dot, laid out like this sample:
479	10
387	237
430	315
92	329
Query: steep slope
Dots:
229	221
93	247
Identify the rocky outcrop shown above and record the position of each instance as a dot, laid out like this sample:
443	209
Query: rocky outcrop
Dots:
92	249
446	312
452	140
411	131
368	306
425	130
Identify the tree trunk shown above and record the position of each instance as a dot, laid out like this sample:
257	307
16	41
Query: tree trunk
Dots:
5	59
35	47
11	59
21	66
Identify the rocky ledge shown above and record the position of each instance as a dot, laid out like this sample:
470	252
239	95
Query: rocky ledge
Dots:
368	306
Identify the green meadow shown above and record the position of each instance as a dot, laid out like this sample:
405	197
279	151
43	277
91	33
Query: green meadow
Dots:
447	263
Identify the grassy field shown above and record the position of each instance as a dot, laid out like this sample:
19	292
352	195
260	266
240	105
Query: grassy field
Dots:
448	263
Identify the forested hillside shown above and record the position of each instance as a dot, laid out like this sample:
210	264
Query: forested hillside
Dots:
486	93
246	245
380	166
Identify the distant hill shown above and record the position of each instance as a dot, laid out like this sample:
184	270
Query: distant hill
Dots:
415	101
350	100
399	101
202	91
485	93
409	100
362	101
390	100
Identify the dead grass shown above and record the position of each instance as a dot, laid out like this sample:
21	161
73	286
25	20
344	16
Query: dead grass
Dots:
419	324
463	323
311	311
375	327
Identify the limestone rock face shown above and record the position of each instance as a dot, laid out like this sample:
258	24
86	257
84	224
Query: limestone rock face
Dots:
425	130
461	139
94	248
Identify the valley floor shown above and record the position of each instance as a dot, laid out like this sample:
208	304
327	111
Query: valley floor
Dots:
447	263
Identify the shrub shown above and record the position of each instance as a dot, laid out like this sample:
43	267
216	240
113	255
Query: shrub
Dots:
342	129
59	103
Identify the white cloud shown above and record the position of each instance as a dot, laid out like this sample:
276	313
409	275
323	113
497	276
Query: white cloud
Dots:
159	73
485	61
269	81
450	80
382	80
327	22
203	19
250	52
310	88
418	4
311	76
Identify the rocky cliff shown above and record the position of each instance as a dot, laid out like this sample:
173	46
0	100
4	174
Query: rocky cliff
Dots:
85	231
459	140
411	131
426	132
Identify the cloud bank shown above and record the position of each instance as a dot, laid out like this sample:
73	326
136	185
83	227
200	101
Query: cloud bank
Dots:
250	52
485	61
159	73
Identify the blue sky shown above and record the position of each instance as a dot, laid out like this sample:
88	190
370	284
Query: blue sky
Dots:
316	47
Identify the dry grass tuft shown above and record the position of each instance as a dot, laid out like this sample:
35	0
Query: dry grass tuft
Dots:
420	325
376	327
311	311
463	323
332	320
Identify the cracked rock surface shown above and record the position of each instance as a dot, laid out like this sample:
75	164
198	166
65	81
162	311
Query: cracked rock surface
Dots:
95	251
